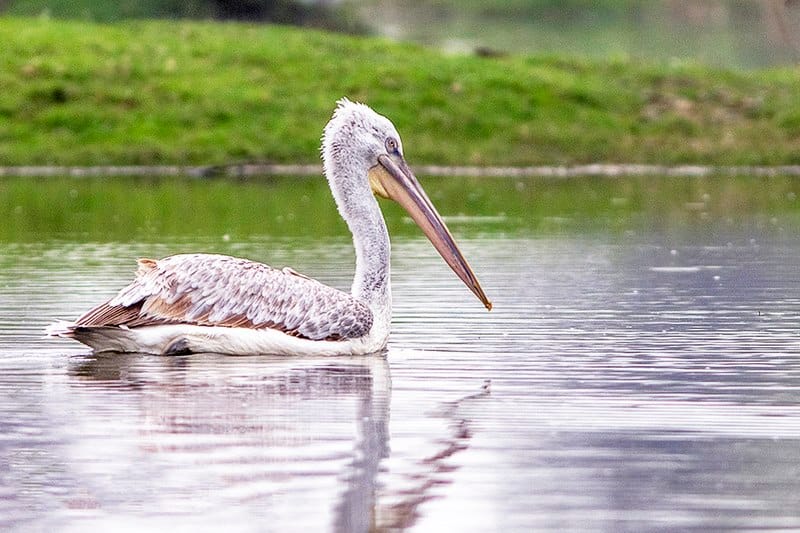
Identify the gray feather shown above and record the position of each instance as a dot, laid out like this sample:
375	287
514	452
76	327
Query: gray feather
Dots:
217	290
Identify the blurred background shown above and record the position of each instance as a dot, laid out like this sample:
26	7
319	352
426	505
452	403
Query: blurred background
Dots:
729	33
643	348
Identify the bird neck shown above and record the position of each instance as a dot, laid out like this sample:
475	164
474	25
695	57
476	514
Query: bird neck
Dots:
359	209
373	251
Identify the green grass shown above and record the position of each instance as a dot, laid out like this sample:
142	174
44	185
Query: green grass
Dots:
152	210
154	92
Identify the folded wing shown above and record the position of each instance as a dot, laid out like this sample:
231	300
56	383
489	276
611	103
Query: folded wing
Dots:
216	290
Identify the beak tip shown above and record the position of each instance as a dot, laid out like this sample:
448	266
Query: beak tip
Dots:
488	305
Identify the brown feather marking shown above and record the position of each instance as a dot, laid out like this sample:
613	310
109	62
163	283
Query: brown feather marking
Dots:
293	272
145	265
156	307
109	315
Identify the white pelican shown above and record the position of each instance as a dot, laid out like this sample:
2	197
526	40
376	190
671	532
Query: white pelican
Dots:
213	303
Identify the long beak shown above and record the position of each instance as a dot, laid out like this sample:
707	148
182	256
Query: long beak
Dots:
391	178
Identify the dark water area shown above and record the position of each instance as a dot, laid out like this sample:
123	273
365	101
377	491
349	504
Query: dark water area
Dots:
625	381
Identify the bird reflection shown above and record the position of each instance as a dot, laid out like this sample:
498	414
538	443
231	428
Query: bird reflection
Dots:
258	428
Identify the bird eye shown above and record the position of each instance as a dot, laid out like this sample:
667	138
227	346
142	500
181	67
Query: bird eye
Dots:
391	145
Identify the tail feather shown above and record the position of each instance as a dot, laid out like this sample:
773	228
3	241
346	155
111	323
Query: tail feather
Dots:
107	338
61	328
99	338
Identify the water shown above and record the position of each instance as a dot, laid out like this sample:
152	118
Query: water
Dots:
635	381
705	32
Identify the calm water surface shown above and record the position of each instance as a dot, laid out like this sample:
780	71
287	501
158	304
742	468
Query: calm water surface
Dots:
623	382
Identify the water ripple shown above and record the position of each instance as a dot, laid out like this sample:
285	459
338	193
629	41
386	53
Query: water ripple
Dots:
615	386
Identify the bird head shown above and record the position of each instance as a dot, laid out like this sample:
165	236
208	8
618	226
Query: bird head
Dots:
359	139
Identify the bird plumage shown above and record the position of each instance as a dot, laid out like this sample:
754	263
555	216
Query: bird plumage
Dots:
217	290
202	302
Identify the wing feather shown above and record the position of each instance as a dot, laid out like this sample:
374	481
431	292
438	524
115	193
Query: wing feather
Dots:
217	290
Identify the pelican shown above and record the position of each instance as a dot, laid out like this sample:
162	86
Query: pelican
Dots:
193	303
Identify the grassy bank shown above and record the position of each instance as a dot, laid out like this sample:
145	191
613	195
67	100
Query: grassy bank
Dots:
187	92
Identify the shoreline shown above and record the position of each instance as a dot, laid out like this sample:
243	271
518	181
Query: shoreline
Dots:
255	170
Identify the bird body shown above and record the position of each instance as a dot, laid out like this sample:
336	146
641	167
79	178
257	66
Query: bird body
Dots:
213	303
